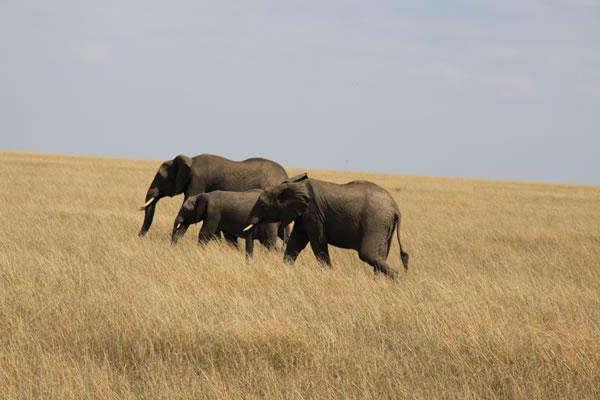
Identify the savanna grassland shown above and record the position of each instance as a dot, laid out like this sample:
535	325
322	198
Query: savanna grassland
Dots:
502	299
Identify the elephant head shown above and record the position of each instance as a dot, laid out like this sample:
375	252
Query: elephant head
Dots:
172	178
192	211
282	203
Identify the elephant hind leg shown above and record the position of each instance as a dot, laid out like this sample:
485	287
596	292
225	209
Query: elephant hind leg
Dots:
378	263
375	246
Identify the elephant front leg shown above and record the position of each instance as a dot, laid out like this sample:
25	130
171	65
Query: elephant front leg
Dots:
318	241
321	250
209	230
297	243
267	235
216	235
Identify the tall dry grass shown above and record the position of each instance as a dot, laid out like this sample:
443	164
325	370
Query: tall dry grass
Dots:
502	299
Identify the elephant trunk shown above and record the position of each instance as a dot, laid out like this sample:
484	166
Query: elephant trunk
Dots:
148	217
152	198
179	230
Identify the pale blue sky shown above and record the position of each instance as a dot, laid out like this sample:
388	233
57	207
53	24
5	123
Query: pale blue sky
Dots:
493	88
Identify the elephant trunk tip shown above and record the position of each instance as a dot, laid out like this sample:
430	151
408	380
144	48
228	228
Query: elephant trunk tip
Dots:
178	231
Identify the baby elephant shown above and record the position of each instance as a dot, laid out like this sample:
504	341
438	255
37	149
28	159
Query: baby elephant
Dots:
358	215
226	212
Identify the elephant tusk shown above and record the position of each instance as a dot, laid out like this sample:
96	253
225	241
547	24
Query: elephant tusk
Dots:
142	208
246	229
178	226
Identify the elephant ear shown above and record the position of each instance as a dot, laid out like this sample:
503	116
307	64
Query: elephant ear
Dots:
193	209
200	205
298	178
183	166
190	204
293	197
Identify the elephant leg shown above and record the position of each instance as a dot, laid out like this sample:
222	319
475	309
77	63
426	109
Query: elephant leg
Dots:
297	243
377	260
209	230
318	242
268	236
217	235
375	246
320	249
231	240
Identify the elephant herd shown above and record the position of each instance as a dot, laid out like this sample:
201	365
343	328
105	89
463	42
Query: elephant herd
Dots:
255	199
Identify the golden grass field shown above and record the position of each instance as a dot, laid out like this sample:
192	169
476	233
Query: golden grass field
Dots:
502	298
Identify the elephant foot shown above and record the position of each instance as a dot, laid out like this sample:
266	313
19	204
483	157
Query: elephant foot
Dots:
392	274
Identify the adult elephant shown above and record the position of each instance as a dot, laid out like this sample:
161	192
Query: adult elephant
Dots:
206	173
358	215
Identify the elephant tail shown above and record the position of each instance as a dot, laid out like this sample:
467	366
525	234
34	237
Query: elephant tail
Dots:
403	254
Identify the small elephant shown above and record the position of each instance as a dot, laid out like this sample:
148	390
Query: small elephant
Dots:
358	215
226	212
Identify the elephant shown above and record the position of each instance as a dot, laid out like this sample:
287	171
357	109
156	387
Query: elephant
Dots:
227	212
206	173
358	215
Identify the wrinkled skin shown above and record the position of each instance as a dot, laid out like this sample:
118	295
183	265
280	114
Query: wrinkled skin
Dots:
206	173
227	212
358	215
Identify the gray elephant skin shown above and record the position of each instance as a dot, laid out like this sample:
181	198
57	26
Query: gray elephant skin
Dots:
227	212
358	215
206	173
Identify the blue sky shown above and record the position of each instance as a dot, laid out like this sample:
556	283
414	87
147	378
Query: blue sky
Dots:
494	89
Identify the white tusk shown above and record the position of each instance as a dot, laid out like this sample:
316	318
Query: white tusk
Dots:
246	229
178	225
147	204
